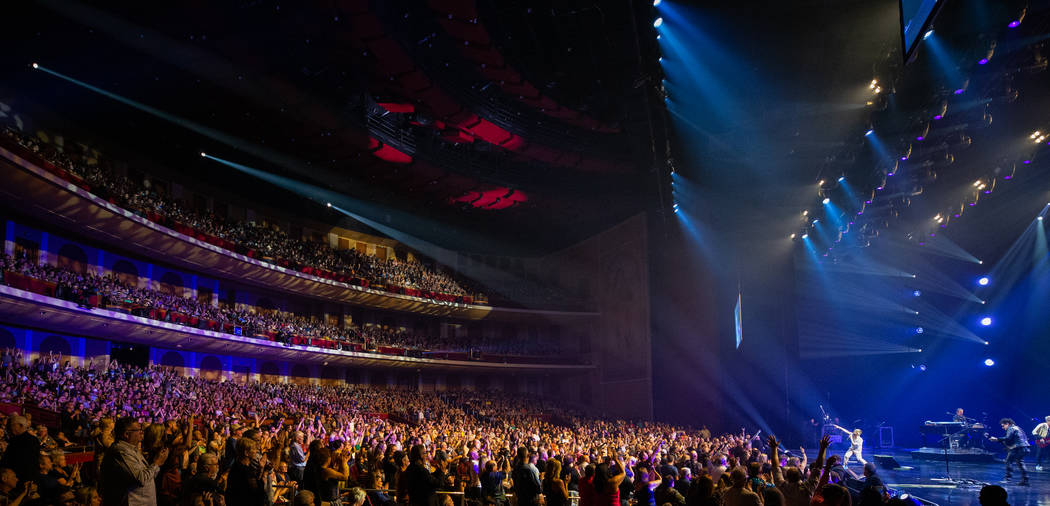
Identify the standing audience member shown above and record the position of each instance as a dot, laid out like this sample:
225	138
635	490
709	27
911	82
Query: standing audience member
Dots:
247	483
526	478
126	477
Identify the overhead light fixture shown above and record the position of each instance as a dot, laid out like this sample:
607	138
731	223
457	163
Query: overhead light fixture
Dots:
927	35
658	22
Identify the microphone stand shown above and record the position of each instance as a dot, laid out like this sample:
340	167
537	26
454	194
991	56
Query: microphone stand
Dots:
947	442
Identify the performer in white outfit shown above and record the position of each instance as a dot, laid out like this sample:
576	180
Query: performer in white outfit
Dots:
856	446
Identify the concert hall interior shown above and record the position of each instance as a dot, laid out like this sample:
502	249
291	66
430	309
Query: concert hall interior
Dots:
491	252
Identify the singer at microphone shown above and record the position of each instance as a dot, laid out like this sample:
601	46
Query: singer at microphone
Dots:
960	417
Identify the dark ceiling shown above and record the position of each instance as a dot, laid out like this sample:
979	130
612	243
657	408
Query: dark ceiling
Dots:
796	76
533	124
524	123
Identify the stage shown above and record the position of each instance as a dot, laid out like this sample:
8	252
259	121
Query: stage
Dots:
924	479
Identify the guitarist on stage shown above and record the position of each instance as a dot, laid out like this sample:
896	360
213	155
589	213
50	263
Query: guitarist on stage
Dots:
1041	431
1016	448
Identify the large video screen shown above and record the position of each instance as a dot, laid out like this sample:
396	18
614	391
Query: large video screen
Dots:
915	16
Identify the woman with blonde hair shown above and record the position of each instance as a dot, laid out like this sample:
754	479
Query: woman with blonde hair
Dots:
555	491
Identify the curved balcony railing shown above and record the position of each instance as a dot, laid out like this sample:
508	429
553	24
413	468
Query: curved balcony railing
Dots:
32	188
32	303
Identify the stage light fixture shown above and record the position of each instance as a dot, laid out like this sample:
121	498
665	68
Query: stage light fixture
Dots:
869	132
329	204
805	236
656	3
989	362
826	201
920	138
842	178
658	22
982	61
792	236
986	321
986	343
919	330
923	366
1014	24
983	281
203	154
980	262
937	117
927	35
916	293
35	66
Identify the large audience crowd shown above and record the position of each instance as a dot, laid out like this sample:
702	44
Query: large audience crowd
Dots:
268	241
155	437
110	291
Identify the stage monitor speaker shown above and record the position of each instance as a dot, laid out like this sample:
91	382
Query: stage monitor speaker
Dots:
886	462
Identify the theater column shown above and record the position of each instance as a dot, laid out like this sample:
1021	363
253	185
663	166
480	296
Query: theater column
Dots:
43	248
9	238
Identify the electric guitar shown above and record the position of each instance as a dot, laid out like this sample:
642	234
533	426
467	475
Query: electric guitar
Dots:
1042	442
1000	440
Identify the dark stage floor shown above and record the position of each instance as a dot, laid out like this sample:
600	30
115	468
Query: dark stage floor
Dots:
922	481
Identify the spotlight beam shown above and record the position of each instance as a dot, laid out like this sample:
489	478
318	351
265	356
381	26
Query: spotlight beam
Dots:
232	141
492	278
